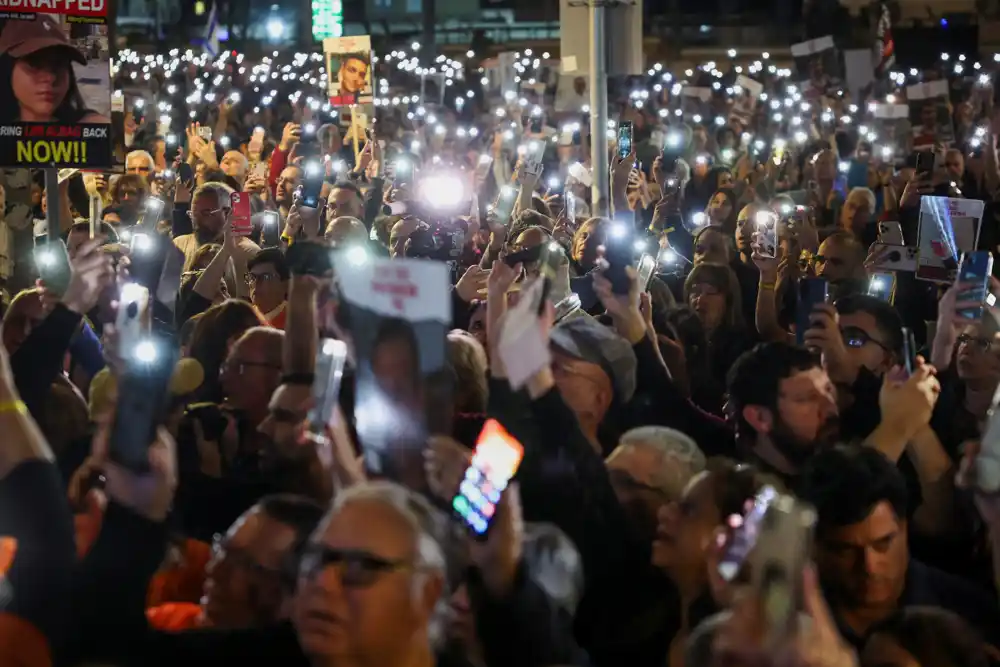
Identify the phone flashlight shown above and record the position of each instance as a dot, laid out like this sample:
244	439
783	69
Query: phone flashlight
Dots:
141	242
699	219
309	128
887	152
701	160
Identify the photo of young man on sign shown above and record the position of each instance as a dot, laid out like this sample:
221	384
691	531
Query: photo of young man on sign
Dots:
349	62
55	92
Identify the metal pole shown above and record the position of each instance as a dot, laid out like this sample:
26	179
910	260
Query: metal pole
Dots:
52	202
598	109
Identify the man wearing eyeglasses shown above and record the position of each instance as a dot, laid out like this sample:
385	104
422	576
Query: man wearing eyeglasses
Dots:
210	210
267	276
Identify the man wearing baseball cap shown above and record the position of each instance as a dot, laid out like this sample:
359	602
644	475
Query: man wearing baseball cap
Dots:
594	369
43	85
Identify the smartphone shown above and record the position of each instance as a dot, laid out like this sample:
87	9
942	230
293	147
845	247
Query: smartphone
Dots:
624	139
306	258
130	318
909	350
551	258
618	253
987	464
240	215
526	256
258	136
52	264
537	122
495	461
271	233
185	173
777	564
745	535
570	200
767	227
890	232
504	206
330	360
259	170
312	184
925	164
96	214
882	286
143	399
974	280
646	266
400	171
533	158
151	211
205	132
812	292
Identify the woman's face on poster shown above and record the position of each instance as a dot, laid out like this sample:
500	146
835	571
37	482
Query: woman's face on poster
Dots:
353	75
40	83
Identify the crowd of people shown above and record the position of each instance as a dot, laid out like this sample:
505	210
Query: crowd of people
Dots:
669	405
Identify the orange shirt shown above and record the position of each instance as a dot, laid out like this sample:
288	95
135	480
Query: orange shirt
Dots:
276	318
175	616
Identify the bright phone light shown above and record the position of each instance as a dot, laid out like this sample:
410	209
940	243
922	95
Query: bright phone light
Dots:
142	242
313	168
763	218
309	128
844	167
619	230
46	257
640	245
553	182
357	256
507	192
444	191
275	29
699	218
667	256
887	152
674	139
701	159
146	352
270	218
131	292
485	159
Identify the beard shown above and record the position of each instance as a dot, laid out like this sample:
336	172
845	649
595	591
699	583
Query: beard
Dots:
795	449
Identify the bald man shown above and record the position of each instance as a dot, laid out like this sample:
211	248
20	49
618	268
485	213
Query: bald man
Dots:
252	372
346	230
235	165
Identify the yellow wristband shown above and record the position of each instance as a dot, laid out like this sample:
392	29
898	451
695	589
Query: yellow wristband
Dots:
13	406
287	239
766	286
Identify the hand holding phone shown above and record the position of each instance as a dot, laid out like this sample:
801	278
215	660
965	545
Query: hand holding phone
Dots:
767	229
624	139
973	284
240	213
330	359
646	267
496	459
812	292
618	253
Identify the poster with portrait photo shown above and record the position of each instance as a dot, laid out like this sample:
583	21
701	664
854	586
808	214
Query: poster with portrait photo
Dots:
892	126
56	106
695	100
745	99
930	114
818	67
399	312
349	70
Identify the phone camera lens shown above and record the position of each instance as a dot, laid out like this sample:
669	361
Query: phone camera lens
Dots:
132	310
894	256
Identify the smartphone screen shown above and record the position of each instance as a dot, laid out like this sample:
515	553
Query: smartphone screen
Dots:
495	462
330	361
551	259
909	350
618	253
925	164
570	206
647	263
624	139
143	395
882	286
205	132
151	211
767	227
505	204
812	292
312	183
130	327
745	535
185	172
52	264
96	214
240	217
537	123
271	234
974	279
